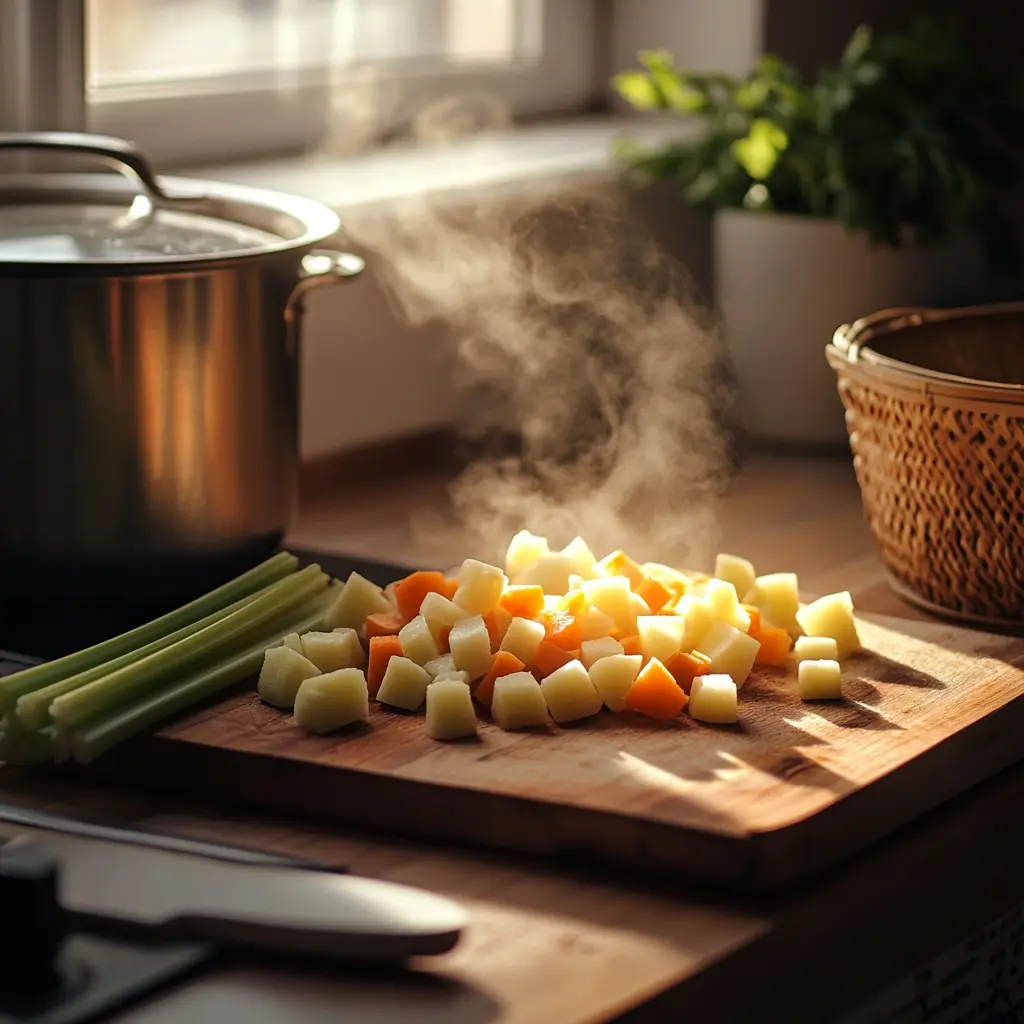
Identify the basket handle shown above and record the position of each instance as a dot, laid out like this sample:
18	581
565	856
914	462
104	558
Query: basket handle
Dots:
850	338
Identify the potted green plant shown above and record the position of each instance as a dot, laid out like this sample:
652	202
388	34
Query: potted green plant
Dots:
882	183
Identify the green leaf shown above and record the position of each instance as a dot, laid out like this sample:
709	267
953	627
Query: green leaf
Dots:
656	60
857	47
868	73
638	89
751	95
677	93
759	152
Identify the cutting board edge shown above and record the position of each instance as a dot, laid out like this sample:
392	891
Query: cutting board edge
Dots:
713	857
779	847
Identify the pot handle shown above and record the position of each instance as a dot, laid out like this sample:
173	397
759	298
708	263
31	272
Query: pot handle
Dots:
318	267
120	154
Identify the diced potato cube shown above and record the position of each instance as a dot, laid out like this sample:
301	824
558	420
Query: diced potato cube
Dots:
675	580
518	702
550	572
832	616
713	700
732	652
440	614
405	684
816	648
582	558
441	667
480	586
470	645
777	597
613	676
450	714
661	636
281	675
737	571
820	680
418	643
294	641
462	677
610	594
570	694
358	598
523	550
697	617
522	638
638	606
595	650
594	624
328	702
721	596
618	563
331	651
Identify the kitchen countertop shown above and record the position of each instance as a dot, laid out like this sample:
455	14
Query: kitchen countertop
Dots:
547	945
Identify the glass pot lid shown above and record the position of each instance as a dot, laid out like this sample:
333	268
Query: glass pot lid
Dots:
135	220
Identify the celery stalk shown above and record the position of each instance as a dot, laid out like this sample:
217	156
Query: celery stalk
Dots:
22	747
33	709
98	736
213	642
17	685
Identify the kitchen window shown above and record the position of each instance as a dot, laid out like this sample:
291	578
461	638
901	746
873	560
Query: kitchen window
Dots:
211	80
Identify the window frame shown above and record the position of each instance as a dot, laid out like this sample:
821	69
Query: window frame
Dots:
244	117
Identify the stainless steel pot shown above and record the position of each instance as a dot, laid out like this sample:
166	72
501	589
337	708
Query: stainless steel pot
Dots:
148	369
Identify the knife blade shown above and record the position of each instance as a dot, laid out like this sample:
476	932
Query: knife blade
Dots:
270	905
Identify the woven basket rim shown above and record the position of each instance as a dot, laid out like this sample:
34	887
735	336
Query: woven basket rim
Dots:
851	345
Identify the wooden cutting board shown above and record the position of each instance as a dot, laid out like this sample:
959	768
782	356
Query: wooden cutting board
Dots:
930	711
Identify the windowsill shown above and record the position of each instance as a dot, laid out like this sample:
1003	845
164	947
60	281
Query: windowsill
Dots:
529	153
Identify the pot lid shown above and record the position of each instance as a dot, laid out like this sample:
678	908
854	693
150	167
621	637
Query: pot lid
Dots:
133	220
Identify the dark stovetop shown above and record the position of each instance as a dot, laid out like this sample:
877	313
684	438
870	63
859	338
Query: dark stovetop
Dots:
58	624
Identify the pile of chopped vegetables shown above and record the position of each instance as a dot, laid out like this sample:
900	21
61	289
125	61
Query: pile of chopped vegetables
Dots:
85	703
556	635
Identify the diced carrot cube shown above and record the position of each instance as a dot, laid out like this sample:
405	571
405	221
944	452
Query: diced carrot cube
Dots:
504	664
755	620
655	693
383	624
655	594
775	644
494	629
618	563
451	584
409	593
549	657
630	644
562	630
684	667
523	602
382	649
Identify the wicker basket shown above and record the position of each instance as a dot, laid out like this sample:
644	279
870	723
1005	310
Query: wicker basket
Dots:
935	412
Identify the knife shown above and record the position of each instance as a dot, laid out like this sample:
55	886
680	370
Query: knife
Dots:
236	898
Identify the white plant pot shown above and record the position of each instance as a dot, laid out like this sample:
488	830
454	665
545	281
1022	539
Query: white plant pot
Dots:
783	284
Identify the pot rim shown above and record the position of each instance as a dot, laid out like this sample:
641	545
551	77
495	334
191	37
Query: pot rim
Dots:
299	223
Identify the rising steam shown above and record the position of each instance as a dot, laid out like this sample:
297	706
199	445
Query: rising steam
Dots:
579	339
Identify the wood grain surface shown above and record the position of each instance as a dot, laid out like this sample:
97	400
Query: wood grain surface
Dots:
930	710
